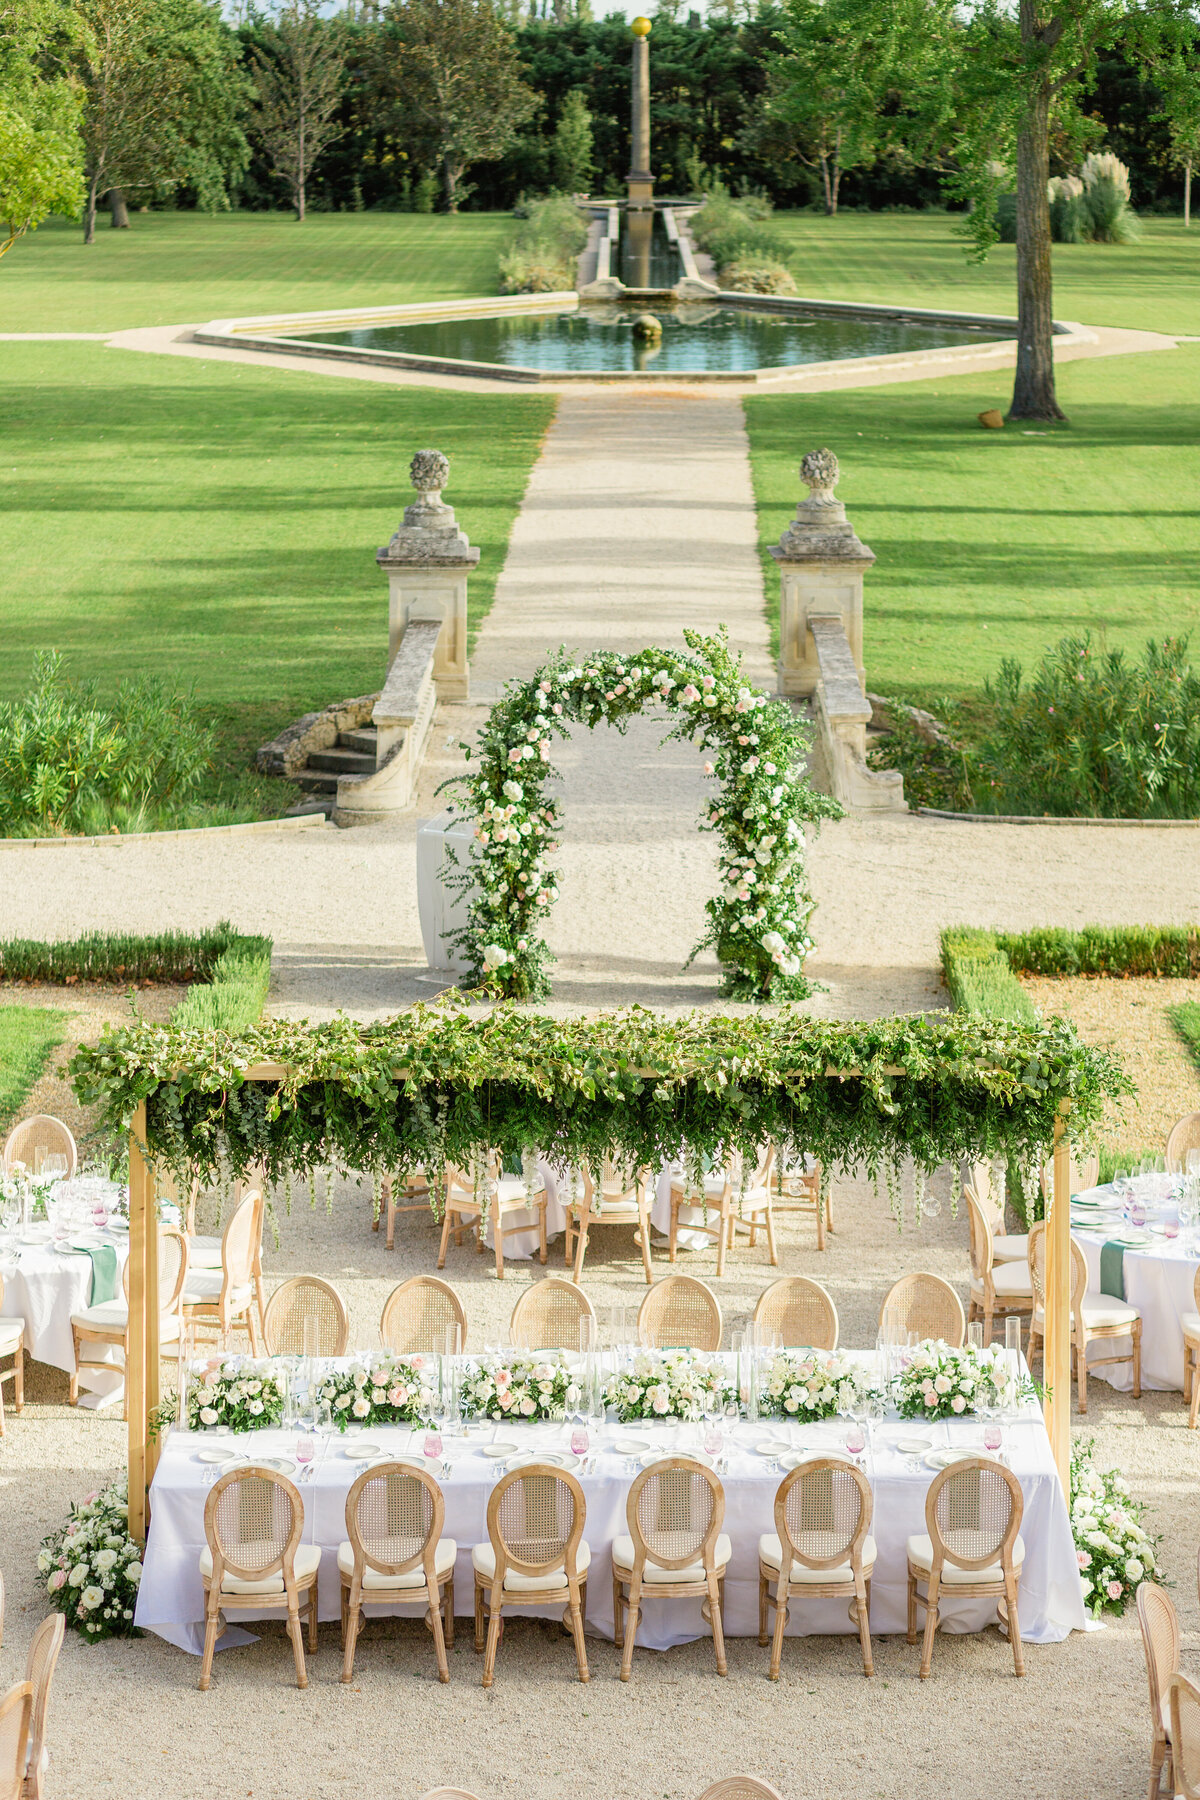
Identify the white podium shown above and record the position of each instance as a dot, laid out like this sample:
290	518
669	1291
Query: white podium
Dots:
443	909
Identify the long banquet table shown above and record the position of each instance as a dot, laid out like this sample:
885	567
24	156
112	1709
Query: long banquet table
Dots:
171	1604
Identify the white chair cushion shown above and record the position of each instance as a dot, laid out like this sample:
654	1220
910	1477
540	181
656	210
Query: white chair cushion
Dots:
714	1186
483	1560
1190	1323
1011	1249
11	1332
1102	1309
770	1552
622	1555
443	1561
112	1316
920	1556
514	1192
203	1288
1010	1281
204	1252
307	1562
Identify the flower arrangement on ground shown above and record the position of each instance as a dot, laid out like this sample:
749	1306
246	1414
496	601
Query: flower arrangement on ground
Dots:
239	1393
941	1382
758	923
519	1387
92	1567
668	1384
1114	1550
389	1390
815	1384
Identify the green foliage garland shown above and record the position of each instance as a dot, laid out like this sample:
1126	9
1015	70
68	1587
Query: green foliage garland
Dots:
758	925
436	1084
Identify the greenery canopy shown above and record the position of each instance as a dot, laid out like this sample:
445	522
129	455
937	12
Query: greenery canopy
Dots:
436	1083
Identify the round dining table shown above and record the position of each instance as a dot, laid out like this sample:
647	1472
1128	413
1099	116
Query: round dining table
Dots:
50	1275
1152	1266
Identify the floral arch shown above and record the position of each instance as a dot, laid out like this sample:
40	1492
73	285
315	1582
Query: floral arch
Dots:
758	921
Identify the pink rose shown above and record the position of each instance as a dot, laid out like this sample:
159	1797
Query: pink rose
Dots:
395	1396
503	1377
56	1580
958	1403
1114	1590
505	1399
88	1498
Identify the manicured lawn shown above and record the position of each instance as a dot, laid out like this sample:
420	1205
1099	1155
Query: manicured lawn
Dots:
188	267
219	522
916	259
28	1036
995	543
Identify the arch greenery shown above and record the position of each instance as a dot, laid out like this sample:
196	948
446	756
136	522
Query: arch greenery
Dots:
757	922
440	1083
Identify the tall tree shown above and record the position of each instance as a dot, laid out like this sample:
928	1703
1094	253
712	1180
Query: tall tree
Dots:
1011	78
451	75
41	153
300	74
163	99
571	150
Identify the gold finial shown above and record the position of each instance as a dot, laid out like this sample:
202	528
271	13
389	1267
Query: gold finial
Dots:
640	28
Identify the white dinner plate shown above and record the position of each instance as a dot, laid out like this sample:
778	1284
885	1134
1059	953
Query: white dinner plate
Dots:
1130	1240
362	1452
942	1459
649	1457
913	1446
771	1447
282	1465
624	1446
500	1449
221	1456
525	1458
432	1465
794	1458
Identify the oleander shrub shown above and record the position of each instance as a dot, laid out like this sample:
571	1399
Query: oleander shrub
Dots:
71	762
1093	734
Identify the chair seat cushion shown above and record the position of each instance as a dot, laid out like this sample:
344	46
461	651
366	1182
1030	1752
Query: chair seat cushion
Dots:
622	1556
443	1561
920	1556
307	1562
12	1330
204	1252
1190	1323
203	1288
1011	1249
112	1316
1101	1309
483	1560
1010	1280
770	1554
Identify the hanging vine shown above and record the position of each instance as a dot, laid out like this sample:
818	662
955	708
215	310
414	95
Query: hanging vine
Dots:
758	921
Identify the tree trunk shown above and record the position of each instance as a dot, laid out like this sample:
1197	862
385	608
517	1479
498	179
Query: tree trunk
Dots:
830	193
301	153
1033	389
1187	194
451	171
835	185
119	210
89	211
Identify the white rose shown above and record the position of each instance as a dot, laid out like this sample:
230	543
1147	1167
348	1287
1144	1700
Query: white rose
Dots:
133	1572
90	1597
942	1384
105	1559
527	1408
958	1404
78	1575
362	1407
1134	1570
255	1407
208	1415
494	956
341	1403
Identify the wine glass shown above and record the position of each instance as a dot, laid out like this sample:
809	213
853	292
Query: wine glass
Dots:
731	1415
993	1437
856	1440
580	1441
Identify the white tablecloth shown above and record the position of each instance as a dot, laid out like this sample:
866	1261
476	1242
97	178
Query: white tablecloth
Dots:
171	1604
46	1287
1160	1282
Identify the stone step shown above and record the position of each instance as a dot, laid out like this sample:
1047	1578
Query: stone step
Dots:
365	739
314	781
341	762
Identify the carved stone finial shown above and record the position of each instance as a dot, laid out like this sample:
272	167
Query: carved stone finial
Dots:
820	531
430	470
819	472
430	532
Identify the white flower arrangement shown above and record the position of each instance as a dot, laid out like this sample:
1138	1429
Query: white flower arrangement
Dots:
816	1384
519	1387
940	1382
388	1390
240	1394
667	1384
758	922
91	1566
28	1191
1114	1551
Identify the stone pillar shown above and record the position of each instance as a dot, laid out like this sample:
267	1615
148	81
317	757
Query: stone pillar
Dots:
640	180
821	568
428	562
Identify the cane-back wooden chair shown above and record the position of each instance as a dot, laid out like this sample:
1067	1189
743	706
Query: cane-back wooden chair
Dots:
1160	1641
33	1140
107	1324
929	1306
536	1555
226	1299
1184	1703
986	1187
821	1549
12	1343
16	1710
799	1313
970	1549
39	1672
548	1316
617	1198
417	1314
680	1312
1093	1315
253	1560
726	1205
512	1207
395	1555
675	1550
741	1787
301	1300
996	1289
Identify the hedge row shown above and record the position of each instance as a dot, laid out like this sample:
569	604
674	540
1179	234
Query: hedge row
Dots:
1104	950
980	977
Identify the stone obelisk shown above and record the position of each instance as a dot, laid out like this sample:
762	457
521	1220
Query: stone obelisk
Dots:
641	182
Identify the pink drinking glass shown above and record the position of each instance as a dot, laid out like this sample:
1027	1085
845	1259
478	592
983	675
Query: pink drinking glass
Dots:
713	1441
579	1441
304	1450
856	1441
993	1437
433	1445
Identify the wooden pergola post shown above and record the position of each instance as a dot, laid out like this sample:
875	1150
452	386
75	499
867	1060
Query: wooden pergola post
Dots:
142	1363
1057	1340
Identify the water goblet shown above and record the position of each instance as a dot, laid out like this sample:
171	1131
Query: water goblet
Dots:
580	1442
856	1440
993	1437
975	1334
304	1452
432	1447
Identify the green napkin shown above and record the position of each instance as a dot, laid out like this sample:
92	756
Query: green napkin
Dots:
104	1271
1112	1270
